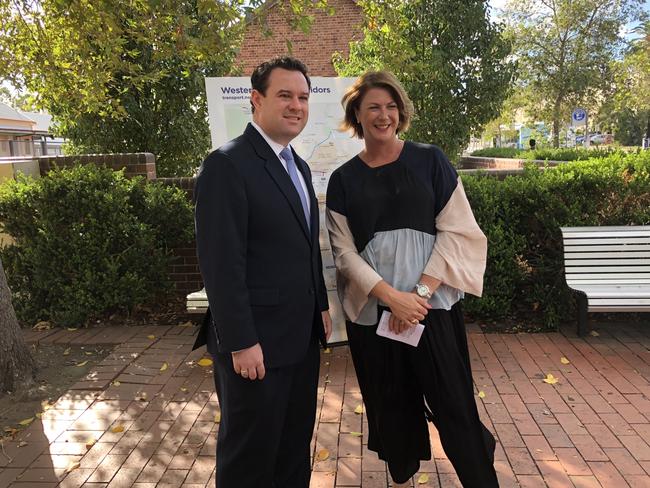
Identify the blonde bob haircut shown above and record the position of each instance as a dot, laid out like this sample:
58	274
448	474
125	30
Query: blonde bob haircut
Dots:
351	101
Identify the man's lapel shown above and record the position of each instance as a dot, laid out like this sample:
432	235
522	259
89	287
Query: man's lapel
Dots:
279	175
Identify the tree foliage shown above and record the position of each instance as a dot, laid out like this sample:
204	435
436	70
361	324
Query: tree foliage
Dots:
127	75
452	60
628	109
564	49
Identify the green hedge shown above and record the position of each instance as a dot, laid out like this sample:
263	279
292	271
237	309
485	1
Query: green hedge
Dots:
88	241
522	216
547	154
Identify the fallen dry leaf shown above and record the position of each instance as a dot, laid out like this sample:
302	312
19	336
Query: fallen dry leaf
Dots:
117	429
22	443
356	434
564	360
423	478
327	351
217	417
26	421
481	394
322	455
205	362
72	466
183	389
71	329
594	333
39	415
79	365
42	325
164	367
359	409
88	353
116	383
186	324
90	443
550	379
66	352
151	336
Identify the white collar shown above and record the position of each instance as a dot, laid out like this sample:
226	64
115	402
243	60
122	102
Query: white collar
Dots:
277	148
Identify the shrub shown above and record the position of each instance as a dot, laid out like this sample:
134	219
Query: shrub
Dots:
88	241
522	216
498	152
547	154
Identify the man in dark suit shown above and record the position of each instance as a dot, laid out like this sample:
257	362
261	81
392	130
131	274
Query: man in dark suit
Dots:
257	239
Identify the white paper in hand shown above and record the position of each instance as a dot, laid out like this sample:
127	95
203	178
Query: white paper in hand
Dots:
410	336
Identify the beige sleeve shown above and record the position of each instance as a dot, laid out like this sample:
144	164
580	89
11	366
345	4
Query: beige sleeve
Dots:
460	252
346	258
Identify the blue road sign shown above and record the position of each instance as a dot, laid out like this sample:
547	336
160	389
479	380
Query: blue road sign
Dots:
579	115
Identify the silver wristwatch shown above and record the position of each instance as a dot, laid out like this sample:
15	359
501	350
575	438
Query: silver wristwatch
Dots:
423	291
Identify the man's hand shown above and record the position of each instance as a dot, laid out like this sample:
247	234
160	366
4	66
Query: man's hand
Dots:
249	363
327	324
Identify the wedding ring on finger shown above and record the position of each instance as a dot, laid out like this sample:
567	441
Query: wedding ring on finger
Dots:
414	321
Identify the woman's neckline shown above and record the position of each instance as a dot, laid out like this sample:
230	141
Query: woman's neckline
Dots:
399	156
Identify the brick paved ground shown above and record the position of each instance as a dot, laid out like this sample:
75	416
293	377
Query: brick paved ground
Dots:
590	429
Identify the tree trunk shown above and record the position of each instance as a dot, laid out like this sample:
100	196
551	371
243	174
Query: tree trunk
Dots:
556	122
16	362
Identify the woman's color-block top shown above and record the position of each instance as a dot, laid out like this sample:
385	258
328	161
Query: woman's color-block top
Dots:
400	220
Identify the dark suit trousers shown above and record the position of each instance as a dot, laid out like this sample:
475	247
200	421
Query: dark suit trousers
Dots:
266	426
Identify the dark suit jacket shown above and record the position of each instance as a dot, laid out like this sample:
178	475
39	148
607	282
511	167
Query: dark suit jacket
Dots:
261	266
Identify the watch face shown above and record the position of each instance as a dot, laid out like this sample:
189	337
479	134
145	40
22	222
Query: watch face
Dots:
422	290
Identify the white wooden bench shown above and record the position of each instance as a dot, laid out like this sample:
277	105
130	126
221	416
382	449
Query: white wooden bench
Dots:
197	302
609	268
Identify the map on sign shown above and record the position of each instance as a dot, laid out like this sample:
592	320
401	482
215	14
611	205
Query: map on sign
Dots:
321	144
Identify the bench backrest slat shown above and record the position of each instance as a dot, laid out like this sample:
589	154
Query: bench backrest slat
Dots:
591	240
609	261
606	247
607	255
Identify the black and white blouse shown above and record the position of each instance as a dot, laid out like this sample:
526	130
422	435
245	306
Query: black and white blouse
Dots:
397	221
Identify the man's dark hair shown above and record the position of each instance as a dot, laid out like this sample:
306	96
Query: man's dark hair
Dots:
261	74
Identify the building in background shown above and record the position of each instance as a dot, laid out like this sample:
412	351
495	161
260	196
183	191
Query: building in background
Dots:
26	134
328	34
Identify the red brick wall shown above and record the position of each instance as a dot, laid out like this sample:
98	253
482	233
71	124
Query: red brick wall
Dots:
329	33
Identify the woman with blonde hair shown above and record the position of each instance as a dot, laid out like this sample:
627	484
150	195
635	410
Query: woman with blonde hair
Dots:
405	241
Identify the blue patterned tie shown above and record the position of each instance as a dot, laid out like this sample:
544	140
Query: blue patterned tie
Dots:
287	155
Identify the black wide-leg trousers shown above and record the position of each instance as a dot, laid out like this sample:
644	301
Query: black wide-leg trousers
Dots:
266	425
403	385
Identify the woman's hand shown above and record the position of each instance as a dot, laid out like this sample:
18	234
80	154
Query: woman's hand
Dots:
407	310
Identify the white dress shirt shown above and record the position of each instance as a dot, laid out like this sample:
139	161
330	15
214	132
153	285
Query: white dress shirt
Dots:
277	148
